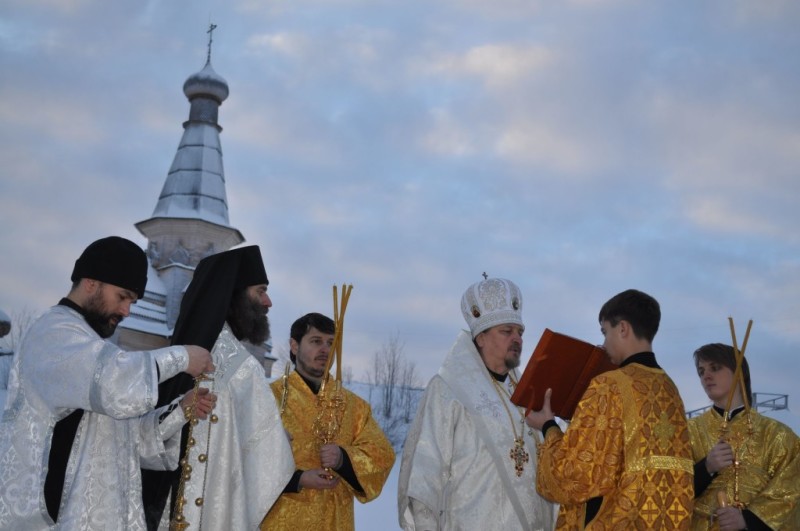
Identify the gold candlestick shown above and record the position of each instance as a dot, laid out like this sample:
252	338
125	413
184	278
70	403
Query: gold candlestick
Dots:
738	383
178	522
285	379
738	375
331	401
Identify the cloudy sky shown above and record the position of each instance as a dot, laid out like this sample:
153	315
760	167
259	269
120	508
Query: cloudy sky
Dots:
579	148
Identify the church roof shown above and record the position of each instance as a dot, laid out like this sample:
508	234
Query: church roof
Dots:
195	184
149	318
149	314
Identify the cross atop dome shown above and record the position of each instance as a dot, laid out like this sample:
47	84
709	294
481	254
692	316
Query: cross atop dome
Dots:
211	28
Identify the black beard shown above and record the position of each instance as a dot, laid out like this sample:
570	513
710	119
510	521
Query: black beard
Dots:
309	372
99	319
248	319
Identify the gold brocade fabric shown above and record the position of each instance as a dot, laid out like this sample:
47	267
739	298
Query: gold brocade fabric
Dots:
370	453
627	442
769	470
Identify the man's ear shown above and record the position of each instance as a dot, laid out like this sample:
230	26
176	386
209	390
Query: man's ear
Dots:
624	329
293	346
90	285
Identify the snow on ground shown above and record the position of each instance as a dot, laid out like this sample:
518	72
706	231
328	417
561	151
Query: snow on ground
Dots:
381	513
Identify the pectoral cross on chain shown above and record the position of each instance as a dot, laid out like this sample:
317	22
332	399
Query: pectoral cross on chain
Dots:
519	455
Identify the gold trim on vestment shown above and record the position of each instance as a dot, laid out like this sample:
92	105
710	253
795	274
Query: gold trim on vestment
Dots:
660	462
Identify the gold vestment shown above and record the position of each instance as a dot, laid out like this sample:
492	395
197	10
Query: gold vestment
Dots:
627	443
370	453
769	469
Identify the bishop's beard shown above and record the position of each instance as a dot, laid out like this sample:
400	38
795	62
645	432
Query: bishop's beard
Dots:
248	319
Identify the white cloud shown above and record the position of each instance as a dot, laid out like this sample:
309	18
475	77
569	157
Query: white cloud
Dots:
734	166
35	111
497	66
719	213
61	6
446	136
503	65
544	145
775	11
292	44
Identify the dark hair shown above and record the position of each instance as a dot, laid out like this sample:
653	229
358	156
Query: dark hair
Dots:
638	308
300	327
724	355
232	317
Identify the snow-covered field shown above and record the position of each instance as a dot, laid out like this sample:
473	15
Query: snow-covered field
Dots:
381	513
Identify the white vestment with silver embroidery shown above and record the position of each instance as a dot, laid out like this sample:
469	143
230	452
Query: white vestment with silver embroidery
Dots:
63	365
449	478
249	455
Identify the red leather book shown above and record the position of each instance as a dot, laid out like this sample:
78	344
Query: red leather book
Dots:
564	364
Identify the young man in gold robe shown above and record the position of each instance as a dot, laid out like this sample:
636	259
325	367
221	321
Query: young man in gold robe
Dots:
625	461
355	464
766	478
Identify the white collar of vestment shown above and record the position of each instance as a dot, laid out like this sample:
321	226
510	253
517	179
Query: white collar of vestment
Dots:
464	370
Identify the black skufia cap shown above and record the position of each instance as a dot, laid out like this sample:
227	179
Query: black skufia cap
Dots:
116	261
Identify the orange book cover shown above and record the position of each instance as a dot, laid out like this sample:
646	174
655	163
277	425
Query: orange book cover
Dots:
564	364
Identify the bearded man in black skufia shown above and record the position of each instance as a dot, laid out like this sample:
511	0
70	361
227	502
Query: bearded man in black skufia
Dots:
241	458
